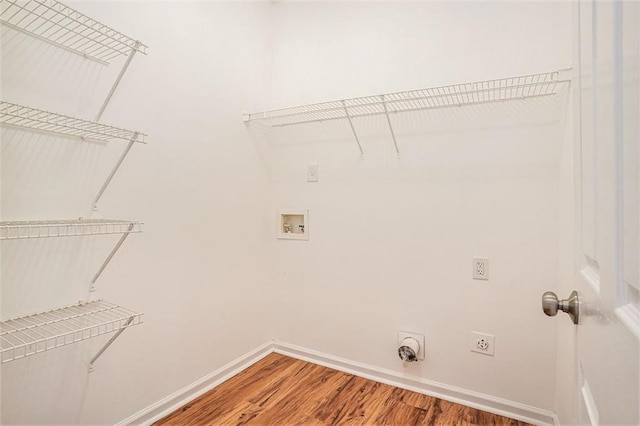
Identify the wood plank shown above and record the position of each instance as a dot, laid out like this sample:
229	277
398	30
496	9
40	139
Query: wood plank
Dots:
290	403
399	413
225	397
279	390
353	403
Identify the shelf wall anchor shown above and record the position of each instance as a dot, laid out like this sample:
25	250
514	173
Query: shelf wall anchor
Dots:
115	169
108	259
393	135
104	348
355	135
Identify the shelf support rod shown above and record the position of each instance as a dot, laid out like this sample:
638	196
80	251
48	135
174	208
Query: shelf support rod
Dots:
108	259
113	338
393	135
117	82
115	169
353	129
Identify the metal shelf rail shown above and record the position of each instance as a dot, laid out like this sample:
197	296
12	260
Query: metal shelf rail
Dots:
55	23
45	121
72	228
66	228
31	334
456	95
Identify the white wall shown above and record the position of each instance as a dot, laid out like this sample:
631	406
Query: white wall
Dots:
391	239
199	271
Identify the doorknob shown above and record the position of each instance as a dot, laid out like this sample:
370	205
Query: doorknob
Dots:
551	305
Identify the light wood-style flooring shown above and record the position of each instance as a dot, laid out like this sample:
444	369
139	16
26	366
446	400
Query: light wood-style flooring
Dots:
279	390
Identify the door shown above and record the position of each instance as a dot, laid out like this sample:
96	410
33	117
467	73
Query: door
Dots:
607	137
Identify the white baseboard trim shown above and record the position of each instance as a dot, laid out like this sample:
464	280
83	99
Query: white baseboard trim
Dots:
190	392
455	394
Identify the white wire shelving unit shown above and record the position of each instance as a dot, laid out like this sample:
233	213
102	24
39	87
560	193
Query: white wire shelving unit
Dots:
15	230
30	118
18	230
66	28
32	334
33	119
456	95
55	23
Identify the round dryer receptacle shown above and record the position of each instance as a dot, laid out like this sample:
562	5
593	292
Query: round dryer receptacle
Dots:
408	349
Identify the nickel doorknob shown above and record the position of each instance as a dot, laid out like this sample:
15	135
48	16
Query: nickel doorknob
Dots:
551	305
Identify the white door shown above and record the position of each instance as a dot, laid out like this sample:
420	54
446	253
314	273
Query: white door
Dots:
606	107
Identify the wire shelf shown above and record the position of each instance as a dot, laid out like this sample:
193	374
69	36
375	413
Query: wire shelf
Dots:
67	28
36	119
31	334
66	228
505	89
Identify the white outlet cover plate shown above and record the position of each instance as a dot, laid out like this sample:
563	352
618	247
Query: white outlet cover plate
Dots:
480	269
419	337
487	338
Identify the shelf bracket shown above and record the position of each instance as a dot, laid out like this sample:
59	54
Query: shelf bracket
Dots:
108	259
353	129
104	106
117	82
393	135
104	348
115	169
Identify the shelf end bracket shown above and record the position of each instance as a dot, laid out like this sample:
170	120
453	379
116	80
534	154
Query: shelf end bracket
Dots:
353	129
117	82
115	169
393	135
108	259
104	348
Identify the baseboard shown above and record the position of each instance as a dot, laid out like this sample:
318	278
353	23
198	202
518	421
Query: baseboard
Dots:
458	395
190	392
455	394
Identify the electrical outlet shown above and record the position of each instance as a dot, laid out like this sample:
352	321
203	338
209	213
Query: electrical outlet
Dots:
480	268
482	343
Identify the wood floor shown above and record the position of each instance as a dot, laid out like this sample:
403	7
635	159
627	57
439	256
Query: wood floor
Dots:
279	390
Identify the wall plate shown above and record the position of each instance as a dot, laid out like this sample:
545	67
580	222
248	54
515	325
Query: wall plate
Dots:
480	269
482	343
